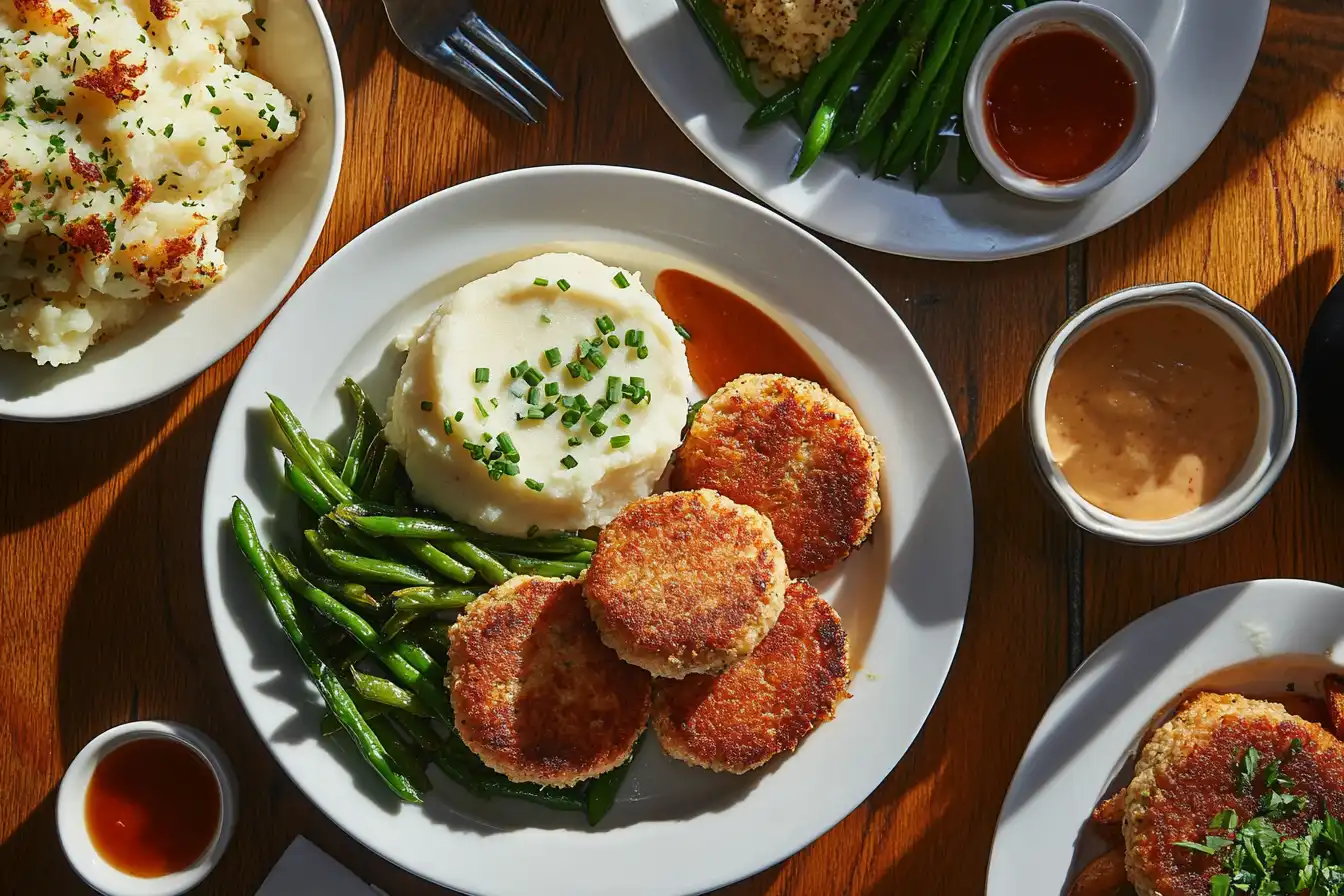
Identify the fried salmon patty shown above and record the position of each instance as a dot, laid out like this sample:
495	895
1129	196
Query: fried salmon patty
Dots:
686	582
766	704
796	453
536	693
1187	774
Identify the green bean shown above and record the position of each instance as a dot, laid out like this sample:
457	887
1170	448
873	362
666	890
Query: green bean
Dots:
438	561
308	453
376	689
433	598
905	58
339	531
930	158
356	655
949	92
415	656
328	685
402	618
968	164
819	131
359	443
347	592
531	566
401	754
368	467
385	479
949	29
391	522
775	107
710	19
825	68
307	489
431	632
369	569
475	557
600	794
331	725
870	148
419	731
327	451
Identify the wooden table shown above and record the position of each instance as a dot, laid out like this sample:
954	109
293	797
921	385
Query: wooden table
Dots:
102	611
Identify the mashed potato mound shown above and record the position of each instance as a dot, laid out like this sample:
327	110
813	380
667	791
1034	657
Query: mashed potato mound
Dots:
130	136
786	36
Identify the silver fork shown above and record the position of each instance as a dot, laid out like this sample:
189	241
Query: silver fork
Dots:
449	36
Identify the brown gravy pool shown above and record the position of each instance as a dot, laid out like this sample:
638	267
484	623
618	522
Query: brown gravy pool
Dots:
1152	412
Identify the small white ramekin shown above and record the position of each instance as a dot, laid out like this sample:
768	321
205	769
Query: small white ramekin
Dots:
74	833
1107	27
1269	452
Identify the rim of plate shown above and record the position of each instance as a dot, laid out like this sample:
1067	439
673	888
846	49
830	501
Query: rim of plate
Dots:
698	96
245	324
901	706
1091	728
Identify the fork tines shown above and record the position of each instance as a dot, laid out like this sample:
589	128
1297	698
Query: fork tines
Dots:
472	55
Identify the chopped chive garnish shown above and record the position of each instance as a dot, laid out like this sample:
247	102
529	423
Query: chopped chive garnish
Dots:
604	324
552	389
494	402
682	332
614	341
511	469
447	426
548	409
535	414
545	319
599	360
532	483
570	418
613	389
534	396
637	382
581	402
564	287
597	428
482	375
486	438
519	369
458	416
568	462
480	409
642	352
575	369
533	377
541	281
584	348
620	280
506	443
587	376
620	441
426	405
596	413
624	419
553	357
574	441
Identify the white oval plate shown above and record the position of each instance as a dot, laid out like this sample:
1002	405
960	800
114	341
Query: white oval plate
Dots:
1090	731
902	597
1203	51
173	343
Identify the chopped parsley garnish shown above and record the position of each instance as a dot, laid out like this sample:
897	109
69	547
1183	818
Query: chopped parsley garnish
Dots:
1245	773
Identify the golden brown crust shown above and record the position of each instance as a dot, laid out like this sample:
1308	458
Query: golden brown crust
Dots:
137	196
116	80
39	12
795	452
87	171
8	178
163	10
1334	703
686	582
89	234
536	693
766	704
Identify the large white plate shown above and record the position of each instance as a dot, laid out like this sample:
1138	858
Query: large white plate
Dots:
902	597
173	343
1254	637
1203	51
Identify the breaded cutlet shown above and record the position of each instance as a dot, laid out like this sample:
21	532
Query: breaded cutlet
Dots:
766	704
1188	773
686	582
536	694
796	453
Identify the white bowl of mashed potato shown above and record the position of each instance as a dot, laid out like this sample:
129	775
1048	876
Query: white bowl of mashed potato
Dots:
165	170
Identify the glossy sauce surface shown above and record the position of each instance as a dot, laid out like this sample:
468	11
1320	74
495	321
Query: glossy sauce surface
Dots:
152	807
729	335
1152	412
1058	104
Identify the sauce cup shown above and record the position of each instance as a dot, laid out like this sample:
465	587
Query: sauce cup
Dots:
1101	24
1274	437
74	833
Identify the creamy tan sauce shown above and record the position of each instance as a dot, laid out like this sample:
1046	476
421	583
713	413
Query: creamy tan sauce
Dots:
1152	412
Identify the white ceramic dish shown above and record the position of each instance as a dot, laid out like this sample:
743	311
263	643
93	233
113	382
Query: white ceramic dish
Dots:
902	597
1202	51
1112	31
1274	439
74	835
171	344
1254	637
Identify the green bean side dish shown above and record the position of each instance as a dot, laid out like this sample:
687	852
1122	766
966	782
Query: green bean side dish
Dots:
363	603
891	85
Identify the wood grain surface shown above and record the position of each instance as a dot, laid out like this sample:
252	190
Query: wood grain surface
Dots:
102	612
